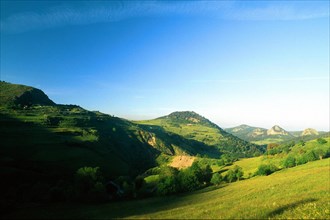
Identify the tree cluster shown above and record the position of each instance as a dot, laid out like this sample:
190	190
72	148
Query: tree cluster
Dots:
312	155
266	169
173	181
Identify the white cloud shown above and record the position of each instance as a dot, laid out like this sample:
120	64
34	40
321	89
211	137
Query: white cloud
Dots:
97	12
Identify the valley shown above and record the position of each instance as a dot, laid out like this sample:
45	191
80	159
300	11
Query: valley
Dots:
46	146
157	109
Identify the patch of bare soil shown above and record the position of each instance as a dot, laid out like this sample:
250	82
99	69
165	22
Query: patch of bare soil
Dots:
182	161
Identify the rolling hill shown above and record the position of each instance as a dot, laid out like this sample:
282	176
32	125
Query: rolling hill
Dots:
38	134
45	143
260	135
22	96
193	126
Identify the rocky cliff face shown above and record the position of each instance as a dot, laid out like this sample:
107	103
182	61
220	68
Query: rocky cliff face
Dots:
277	130
309	131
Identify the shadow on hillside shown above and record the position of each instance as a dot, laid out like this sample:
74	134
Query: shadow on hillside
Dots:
36	157
188	145
282	209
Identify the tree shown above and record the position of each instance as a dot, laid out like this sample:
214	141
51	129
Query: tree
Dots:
321	141
168	181
301	160
310	156
272	146
302	142
206	174
235	174
168	185
290	161
168	171
139	182
216	179
89	182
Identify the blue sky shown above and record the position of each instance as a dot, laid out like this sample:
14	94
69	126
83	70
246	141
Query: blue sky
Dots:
234	62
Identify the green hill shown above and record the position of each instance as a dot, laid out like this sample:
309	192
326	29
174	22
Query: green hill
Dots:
20	95
301	192
43	143
195	127
302	152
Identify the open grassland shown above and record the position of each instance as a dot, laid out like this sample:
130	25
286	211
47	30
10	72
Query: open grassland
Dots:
250	165
299	192
268	141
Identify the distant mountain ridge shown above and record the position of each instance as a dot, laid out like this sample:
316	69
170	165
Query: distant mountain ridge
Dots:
278	131
272	135
309	131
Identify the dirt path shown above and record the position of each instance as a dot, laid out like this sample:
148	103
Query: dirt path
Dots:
182	161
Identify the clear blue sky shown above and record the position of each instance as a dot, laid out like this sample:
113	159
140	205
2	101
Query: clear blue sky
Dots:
257	63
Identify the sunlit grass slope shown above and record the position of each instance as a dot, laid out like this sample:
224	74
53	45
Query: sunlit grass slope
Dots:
195	127
299	192
250	165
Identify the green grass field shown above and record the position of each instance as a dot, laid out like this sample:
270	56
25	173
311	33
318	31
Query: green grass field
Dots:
299	192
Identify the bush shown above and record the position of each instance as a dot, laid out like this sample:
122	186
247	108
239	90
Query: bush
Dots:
265	170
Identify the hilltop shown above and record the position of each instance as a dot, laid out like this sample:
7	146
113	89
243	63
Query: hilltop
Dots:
21	95
195	127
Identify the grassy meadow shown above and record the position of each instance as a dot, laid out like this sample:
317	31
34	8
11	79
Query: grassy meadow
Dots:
299	192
